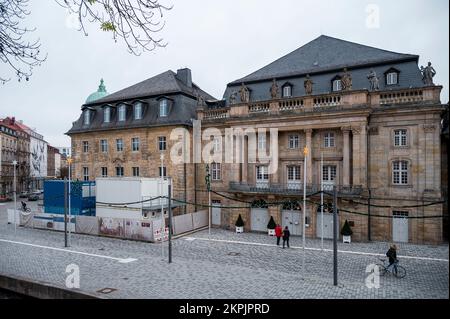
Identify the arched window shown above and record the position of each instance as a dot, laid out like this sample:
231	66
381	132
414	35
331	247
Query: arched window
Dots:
336	84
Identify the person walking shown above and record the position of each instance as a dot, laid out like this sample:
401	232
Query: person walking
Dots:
286	235
278	233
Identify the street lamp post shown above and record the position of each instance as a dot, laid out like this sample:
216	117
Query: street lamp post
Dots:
69	161
305	153
163	222
15	197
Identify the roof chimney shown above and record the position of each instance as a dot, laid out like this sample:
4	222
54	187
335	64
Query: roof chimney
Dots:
185	76
13	120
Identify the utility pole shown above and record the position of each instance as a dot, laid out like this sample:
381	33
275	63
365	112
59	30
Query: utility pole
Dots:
170	219
69	161
65	211
368	216
163	221
15	197
305	153
321	199
335	234
208	185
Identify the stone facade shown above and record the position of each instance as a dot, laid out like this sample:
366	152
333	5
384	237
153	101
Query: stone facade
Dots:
363	153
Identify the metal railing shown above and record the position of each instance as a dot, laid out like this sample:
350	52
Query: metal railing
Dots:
292	188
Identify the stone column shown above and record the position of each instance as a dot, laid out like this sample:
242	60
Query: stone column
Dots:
308	163
356	155
363	156
346	156
245	159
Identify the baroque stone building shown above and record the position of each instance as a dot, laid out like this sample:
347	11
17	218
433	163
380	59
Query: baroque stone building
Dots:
125	133
373	117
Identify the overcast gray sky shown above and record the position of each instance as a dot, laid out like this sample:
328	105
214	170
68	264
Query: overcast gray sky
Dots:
219	40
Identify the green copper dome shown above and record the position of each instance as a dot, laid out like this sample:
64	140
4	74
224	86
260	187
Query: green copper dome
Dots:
101	92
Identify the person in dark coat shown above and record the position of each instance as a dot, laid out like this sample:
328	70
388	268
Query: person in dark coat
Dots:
392	255
286	235
278	233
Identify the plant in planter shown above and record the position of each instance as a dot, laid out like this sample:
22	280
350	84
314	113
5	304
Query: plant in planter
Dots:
239	225
346	232
271	226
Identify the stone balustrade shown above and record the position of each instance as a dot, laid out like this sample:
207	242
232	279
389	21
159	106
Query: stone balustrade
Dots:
399	97
216	114
290	104
262	107
327	100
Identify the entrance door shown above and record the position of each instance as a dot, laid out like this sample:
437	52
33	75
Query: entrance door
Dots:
216	213
327	221
259	219
328	177
292	219
400	227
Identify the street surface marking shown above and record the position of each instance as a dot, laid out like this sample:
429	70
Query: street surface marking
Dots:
120	260
317	249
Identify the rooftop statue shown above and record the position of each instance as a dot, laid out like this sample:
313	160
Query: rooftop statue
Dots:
427	74
233	97
245	94
374	81
346	80
308	85
274	89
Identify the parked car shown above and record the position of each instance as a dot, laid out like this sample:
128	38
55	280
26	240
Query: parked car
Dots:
33	196
24	195
4	198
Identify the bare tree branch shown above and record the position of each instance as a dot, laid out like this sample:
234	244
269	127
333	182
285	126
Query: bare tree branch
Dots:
137	22
15	50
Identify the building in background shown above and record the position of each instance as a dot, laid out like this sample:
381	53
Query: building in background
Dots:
52	155
65	151
8	151
124	134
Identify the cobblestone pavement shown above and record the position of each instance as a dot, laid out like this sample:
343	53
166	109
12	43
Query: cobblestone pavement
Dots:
212	267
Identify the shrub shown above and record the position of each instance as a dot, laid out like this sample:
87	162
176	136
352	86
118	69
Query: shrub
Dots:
346	230
239	222
271	224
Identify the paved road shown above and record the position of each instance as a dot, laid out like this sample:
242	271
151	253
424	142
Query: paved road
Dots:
223	265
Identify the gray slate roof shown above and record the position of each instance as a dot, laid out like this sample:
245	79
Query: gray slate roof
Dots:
164	83
329	53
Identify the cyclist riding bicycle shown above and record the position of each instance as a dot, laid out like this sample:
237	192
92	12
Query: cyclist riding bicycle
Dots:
392	255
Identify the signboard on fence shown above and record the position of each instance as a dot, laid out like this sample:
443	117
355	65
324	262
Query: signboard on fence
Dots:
138	230
157	234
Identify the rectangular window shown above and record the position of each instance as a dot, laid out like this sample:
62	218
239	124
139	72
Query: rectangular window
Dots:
85	173
122	112
164	172
337	85
293	173
400	137
104	171
400	172
104	146
392	78
262	174
163	108
135	144
216	172
162	143
85	146
119	145
329	139
287	91
119	171
135	171
107	115
329	173
216	145
293	141
87	117
138	111
262	141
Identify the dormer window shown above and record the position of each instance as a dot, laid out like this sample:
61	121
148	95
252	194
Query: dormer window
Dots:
138	111
287	91
337	84
163	108
392	76
122	112
107	114
87	117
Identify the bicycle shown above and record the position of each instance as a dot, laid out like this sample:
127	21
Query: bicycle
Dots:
395	269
